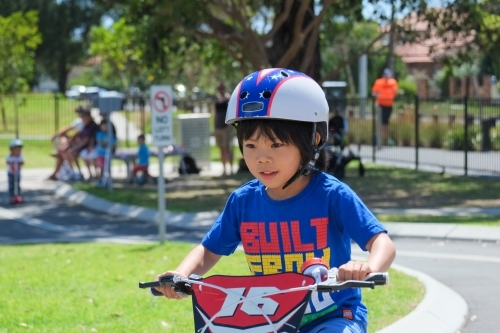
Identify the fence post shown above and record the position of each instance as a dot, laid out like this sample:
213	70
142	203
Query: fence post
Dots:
374	129
56	112
417	122
466	135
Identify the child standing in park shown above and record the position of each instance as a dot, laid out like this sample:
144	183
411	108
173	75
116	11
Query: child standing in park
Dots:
14	162
292	211
102	140
142	164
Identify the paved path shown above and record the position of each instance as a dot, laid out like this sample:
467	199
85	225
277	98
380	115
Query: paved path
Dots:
432	159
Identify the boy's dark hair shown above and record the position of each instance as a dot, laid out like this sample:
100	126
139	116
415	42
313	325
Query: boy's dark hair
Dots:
103	122
141	137
290	132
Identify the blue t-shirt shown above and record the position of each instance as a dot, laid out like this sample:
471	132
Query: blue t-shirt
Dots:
278	236
143	155
102	142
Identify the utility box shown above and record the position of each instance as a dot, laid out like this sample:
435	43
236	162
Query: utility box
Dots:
335	92
192	132
109	104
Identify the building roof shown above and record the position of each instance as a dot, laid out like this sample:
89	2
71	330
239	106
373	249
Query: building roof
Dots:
427	47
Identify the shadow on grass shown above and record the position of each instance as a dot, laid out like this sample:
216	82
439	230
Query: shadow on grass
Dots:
381	187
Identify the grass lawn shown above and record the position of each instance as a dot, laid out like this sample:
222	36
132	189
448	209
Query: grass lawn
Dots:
92	287
382	187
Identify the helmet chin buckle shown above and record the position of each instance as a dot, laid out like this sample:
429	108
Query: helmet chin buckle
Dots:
306	170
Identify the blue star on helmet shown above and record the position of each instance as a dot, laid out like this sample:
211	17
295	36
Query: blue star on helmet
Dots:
257	90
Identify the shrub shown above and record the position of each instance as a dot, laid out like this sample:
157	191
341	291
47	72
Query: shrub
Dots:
402	132
360	131
407	88
432	135
455	139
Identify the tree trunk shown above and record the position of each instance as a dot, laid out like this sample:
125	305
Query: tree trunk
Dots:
4	117
284	38
62	73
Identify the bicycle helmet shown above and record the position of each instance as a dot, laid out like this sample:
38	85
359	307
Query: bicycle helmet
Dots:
279	93
15	143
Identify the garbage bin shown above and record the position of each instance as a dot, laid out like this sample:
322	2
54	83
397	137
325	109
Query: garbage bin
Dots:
335	92
486	126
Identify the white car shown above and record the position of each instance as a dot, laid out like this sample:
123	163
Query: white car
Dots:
75	91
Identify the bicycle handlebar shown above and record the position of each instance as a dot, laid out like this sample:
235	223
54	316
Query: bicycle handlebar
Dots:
183	286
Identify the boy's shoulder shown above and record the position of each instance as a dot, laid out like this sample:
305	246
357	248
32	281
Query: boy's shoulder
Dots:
251	187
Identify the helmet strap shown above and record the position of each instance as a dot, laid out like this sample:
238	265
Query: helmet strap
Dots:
308	167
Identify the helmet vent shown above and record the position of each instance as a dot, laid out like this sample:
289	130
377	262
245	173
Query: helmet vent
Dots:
252	106
266	94
244	95
285	74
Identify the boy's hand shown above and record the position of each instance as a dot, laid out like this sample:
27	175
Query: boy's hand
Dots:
168	291
353	270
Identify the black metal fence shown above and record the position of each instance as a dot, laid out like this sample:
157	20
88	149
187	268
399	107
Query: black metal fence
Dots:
451	134
459	135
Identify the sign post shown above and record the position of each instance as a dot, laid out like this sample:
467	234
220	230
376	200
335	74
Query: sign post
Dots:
161	128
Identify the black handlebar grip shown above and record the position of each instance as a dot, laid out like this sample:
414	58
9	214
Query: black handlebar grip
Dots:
380	279
179	287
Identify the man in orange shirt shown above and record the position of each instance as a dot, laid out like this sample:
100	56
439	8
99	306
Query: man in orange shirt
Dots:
385	89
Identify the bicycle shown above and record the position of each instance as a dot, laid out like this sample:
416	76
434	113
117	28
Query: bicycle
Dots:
264	307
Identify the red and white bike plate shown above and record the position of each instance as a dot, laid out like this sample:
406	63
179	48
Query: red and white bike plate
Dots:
241	305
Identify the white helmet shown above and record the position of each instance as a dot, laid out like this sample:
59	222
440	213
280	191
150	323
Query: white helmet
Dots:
278	93
15	143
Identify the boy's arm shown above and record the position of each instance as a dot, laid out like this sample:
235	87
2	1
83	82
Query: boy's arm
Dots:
382	254
199	261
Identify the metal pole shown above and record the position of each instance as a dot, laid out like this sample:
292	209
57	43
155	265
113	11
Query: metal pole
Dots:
374	135
161	197
56	111
417	121
16	112
109	152
379	127
363	84
466	134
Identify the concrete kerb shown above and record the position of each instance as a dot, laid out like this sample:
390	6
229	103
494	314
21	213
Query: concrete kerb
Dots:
194	221
442	309
445	231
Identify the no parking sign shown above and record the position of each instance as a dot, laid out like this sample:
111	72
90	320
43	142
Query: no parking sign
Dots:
161	115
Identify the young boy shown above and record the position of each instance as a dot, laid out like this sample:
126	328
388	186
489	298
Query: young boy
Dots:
14	162
142	163
293	210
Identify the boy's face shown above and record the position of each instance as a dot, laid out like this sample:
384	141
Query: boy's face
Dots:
273	163
104	127
16	151
140	141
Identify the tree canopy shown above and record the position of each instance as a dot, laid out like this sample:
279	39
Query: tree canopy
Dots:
19	39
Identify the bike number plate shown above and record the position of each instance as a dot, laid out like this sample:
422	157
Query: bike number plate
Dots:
223	311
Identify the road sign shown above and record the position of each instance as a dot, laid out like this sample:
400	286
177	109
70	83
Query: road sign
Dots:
161	115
